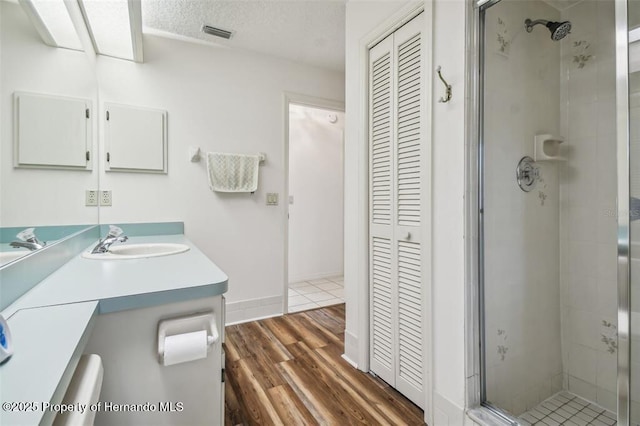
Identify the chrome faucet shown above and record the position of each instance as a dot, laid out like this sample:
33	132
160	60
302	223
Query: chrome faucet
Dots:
114	236
26	244
28	240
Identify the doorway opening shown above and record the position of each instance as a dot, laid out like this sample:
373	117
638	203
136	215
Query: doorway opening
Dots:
315	206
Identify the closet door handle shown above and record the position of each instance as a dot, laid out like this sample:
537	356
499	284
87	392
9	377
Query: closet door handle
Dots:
407	236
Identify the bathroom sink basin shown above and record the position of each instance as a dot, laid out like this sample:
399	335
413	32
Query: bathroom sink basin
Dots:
8	256
137	251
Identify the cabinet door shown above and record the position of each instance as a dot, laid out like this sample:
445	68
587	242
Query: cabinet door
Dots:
397	192
52	131
136	139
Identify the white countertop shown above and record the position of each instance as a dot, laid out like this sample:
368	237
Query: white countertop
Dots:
47	344
129	284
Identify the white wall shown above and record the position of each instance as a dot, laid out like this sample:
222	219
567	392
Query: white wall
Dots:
316	183
224	100
448	174
449	166
38	196
521	229
588	200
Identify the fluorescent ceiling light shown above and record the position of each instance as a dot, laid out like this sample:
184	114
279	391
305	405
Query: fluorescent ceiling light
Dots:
53	23
115	26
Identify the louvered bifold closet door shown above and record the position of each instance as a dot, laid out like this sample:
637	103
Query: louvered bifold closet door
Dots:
397	164
410	168
381	195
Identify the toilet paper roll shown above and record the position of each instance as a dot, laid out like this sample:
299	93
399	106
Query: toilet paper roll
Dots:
185	347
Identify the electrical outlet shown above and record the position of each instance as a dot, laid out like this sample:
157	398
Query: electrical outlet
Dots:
272	198
90	198
105	198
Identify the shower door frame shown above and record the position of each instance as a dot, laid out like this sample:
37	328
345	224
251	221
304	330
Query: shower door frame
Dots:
478	408
623	173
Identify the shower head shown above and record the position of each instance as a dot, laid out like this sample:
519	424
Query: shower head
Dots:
559	30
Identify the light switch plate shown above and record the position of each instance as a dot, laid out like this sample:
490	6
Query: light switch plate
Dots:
272	198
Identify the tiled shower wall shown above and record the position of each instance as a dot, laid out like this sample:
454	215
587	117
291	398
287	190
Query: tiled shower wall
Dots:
588	202
522	248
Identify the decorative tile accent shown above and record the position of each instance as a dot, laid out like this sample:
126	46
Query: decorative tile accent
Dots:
502	37
581	52
567	409
542	196
502	349
610	336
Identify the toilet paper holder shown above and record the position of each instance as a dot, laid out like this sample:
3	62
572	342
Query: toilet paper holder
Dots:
187	324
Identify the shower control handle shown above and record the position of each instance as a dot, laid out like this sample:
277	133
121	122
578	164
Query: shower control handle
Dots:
527	174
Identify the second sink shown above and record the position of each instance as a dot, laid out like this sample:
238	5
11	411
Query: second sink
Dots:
136	251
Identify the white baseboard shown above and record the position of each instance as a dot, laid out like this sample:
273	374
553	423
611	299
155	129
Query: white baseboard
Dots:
351	349
253	309
316	276
446	413
351	363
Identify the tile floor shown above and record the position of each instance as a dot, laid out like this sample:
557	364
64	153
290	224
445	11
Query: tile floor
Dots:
313	294
564	408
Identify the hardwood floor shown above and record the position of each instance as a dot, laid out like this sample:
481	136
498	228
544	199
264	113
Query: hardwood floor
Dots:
289	371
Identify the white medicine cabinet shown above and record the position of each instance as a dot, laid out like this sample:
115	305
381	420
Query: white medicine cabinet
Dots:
52	132
135	139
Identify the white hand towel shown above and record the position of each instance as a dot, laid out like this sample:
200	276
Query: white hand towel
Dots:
232	172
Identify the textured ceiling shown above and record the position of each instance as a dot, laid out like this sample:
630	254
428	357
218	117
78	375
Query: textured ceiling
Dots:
310	32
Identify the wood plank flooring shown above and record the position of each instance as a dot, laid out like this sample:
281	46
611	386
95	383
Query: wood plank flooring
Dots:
289	371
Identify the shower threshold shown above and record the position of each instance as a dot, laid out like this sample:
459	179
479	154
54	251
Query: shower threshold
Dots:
565	408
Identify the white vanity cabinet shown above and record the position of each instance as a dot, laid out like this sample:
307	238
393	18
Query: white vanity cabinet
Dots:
189	393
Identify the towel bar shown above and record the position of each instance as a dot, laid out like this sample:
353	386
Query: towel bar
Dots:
195	155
